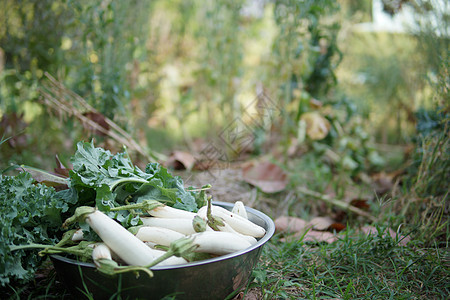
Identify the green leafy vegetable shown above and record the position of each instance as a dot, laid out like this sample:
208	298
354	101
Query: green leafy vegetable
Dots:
29	213
32	214
114	181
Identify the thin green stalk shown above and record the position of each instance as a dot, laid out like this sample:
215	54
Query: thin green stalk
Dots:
180	247
80	250
144	205
213	221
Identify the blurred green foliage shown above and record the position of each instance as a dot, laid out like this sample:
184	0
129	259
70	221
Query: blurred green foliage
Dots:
179	65
87	44
390	76
174	71
90	46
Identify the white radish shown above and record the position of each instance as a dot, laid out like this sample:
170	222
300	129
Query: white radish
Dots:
100	251
228	228
158	235
78	235
183	226
165	211
128	247
239	209
237	222
219	242
202	212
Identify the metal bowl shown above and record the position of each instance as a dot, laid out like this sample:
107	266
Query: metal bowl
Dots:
217	278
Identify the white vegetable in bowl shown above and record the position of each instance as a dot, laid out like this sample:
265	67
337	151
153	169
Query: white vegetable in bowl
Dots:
219	242
128	247
157	235
101	251
183	225
165	211
239	209
237	222
78	235
227	228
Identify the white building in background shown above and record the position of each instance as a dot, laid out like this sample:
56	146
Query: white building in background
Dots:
383	22
406	21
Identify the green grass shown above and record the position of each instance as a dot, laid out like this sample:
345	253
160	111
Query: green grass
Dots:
355	267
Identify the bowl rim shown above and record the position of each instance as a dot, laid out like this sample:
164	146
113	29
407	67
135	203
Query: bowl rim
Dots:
270	230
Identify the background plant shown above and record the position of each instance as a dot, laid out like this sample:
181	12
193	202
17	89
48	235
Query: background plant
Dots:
172	73
76	41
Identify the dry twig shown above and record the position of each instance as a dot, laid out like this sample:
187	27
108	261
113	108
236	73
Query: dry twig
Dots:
66	102
341	204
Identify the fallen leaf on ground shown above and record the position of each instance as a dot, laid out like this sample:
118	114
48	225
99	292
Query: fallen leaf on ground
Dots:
360	203
297	227
371	230
289	224
337	227
267	176
180	160
321	223
312	236
293	224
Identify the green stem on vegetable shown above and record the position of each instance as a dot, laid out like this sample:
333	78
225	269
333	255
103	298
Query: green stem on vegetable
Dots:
127	202
199	224
80	250
180	248
144	205
213	221
80	214
203	188
127	179
66	238
110	267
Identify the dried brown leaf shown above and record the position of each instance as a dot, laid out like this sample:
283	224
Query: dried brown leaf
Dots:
337	226
313	236
321	223
60	169
267	176
371	230
297	227
290	224
180	160
360	203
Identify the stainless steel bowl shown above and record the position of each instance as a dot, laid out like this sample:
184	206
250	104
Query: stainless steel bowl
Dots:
217	278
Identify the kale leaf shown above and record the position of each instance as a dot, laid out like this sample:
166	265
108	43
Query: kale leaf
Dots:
29	213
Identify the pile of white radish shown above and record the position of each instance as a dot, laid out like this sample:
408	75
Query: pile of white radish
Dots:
213	230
